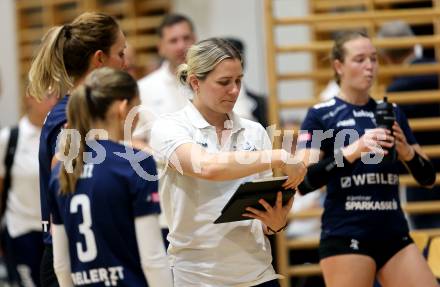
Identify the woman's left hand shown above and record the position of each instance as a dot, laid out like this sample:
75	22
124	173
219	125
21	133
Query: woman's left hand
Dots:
403	149
275	217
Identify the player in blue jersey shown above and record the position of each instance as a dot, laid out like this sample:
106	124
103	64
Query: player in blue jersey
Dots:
67	54
105	215
364	231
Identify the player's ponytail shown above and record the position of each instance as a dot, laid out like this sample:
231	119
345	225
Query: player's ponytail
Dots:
89	103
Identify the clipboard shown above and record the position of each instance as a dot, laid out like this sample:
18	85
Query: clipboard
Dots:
249	193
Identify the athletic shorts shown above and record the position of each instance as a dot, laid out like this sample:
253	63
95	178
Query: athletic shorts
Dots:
379	250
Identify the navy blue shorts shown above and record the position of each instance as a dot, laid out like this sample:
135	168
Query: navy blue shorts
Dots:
379	250
47	274
25	253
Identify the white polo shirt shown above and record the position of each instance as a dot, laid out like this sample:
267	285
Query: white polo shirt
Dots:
23	212
203	253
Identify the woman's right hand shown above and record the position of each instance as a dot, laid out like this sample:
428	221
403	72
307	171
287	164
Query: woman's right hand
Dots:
295	172
377	141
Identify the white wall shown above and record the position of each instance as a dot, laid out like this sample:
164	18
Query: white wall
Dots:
9	95
241	19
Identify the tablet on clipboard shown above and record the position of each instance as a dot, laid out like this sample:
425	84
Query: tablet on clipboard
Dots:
249	193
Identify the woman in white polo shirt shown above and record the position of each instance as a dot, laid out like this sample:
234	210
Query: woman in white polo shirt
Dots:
210	151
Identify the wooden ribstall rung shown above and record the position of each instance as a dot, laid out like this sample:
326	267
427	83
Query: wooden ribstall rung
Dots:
425	124
63	16
422	207
431	232
331	5
153	5
337	4
27	4
27	51
149	22
305	270
387	2
115	8
408	180
140	23
63	2
143	41
416	97
306	214
31	35
325	46
403	14
329	27
432	151
385	71
303	243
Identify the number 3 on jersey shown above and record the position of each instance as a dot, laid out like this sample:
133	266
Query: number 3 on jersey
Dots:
88	252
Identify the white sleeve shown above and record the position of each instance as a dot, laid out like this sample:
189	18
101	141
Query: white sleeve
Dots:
143	127
4	138
152	252
61	257
167	135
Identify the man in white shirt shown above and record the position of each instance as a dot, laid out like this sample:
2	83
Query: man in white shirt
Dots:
159	91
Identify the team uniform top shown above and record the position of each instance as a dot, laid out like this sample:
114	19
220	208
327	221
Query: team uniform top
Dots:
53	124
203	253
99	218
362	202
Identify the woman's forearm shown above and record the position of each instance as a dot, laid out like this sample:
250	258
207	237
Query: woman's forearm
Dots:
233	165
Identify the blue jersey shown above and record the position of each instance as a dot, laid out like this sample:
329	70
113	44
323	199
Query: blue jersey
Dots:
99	218
362	202
53	124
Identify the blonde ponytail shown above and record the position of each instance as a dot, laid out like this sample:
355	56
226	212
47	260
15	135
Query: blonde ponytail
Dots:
79	118
65	53
48	73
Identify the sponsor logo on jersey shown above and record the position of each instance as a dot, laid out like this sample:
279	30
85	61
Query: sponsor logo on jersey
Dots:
369	179
346	123
109	276
333	113
249	147
371	205
354	244
363	114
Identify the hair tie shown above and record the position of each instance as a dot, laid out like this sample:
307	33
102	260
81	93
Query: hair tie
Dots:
67	31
